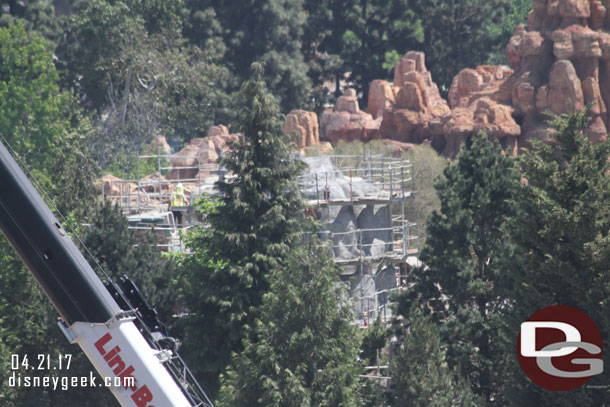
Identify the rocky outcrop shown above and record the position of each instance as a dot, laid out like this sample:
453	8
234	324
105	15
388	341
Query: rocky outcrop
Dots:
381	97
305	125
154	182
560	63
412	110
110	186
483	115
159	145
345	121
483	81
481	101
417	101
563	59
186	164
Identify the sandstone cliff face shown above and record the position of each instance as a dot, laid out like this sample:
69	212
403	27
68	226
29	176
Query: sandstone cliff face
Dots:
305	125
159	144
205	150
480	100
417	101
560	62
347	122
562	59
411	110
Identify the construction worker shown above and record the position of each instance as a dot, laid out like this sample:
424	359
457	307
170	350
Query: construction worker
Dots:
178	200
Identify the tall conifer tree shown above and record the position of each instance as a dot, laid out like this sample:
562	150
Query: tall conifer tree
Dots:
421	376
302	349
250	234
463	247
561	234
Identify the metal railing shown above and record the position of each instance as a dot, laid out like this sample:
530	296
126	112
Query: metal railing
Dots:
391	178
154	191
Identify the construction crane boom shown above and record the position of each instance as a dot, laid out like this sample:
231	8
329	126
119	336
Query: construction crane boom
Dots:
119	340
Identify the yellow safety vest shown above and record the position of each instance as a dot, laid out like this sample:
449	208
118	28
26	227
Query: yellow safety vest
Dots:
177	199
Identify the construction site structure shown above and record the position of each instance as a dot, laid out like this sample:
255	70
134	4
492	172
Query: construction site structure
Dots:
360	199
362	202
392	184
146	200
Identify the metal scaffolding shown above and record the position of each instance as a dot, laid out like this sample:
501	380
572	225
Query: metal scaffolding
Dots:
145	199
392	184
153	192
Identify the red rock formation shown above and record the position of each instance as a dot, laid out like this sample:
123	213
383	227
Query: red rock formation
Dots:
564	58
561	62
347	122
481	101
381	97
483	81
110	187
418	101
305	124
200	151
159	144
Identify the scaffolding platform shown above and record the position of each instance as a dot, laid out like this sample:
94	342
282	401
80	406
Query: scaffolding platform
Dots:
337	181
364	180
381	199
391	258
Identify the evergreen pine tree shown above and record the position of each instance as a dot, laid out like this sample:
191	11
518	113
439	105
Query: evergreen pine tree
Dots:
302	349
251	232
562	247
120	253
464	243
457	34
421	376
269	31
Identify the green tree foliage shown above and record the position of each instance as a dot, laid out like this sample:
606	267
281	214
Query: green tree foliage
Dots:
28	324
141	81
268	31
428	166
160	16
37	16
101	43
72	171
371	392
456	34
380	31
562	244
464	244
421	376
250	232
373	342
113	245
357	41
302	349
190	85
32	116
323	39
505	28
104	39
